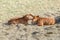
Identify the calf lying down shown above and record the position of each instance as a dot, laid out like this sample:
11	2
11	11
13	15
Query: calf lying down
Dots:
22	20
43	21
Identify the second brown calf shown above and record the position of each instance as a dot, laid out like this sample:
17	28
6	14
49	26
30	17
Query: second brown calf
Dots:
43	21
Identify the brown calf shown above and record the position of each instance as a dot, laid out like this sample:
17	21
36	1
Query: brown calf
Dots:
22	20
43	21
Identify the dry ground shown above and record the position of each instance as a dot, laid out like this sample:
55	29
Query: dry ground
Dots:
18	8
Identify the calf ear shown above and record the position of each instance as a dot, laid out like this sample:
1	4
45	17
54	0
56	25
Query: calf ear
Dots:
37	16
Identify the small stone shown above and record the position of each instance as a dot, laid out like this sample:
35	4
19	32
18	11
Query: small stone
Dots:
25	29
7	34
35	33
49	33
57	26
17	39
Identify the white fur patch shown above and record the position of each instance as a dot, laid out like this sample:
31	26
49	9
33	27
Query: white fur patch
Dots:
30	22
30	17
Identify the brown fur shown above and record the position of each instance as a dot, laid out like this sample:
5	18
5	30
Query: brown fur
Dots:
43	21
22	20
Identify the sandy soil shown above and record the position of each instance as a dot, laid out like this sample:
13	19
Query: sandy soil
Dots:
17	8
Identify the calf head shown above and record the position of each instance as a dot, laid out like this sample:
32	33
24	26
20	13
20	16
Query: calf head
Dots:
35	19
28	16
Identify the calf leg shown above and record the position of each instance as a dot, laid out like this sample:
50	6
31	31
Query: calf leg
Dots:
40	23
